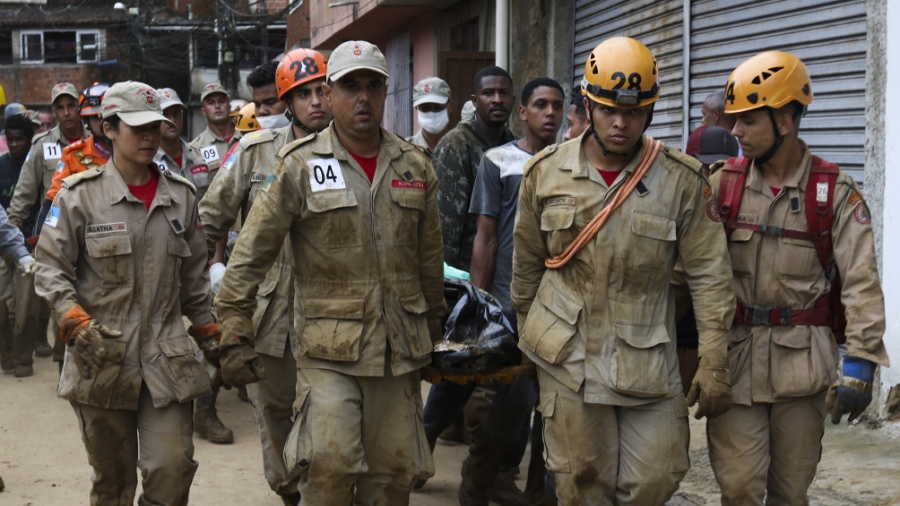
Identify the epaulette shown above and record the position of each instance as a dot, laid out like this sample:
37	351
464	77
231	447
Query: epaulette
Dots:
40	136
179	179
408	145
74	146
75	179
258	137
683	159
544	153
296	144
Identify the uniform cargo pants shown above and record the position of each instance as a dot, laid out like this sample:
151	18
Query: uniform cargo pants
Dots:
612	455
357	440
767	453
156	440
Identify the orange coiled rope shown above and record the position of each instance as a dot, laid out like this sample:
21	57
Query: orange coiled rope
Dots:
651	149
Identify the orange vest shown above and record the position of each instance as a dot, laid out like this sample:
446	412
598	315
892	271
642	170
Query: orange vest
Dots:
77	157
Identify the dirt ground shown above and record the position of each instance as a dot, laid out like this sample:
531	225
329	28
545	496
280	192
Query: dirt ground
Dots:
42	460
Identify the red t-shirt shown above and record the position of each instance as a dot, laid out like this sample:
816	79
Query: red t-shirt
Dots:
775	191
367	164
178	159
609	176
72	141
146	192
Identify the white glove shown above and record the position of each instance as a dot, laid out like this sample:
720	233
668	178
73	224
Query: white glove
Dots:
216	273
28	265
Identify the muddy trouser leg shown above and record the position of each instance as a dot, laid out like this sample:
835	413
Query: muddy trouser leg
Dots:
738	442
166	452
358	432
603	455
28	307
110	439
273	402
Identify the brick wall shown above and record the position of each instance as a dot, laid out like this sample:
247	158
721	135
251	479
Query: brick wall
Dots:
298	26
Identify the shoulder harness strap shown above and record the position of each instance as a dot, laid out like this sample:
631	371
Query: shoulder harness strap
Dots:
731	190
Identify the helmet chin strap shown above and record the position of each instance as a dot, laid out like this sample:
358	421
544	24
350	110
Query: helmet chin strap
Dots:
296	122
775	145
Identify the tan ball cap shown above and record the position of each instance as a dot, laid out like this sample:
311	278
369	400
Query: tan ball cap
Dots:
431	90
212	88
356	55
63	89
169	97
135	103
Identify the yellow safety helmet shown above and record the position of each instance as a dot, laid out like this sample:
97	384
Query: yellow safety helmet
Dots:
621	72
246	119
2	96
771	79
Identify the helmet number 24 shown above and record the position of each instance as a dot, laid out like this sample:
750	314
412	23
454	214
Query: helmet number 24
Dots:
304	67
633	80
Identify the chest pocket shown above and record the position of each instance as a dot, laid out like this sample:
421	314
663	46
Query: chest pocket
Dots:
408	207
334	219
179	250
654	243
556	222
111	257
798	261
740	248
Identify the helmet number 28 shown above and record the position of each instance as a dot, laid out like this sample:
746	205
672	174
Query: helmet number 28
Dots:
633	80
304	67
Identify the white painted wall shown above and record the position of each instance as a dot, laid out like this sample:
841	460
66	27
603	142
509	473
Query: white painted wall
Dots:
891	216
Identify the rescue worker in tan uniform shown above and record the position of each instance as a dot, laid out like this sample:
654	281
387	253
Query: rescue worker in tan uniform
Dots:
120	261
174	153
35	180
233	193
360	205
765	450
213	143
433	105
599	322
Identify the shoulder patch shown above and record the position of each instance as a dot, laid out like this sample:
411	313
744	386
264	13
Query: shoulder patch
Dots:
541	155
258	137
683	159
296	144
179	179
75	179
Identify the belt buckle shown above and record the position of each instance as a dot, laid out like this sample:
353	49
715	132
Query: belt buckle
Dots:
757	315
785	316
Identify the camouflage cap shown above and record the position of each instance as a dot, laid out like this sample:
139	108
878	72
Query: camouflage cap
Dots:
212	88
168	98
431	90
63	89
356	55
135	103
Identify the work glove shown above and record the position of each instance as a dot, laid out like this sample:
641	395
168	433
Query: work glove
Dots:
207	338
853	393
216	273
712	388
79	330
28	265
240	364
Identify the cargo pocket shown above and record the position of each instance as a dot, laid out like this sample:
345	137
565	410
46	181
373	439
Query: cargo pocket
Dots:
791	357
333	223
654	237
408	205
333	328
551	326
555	436
639	365
187	376
112	257
179	249
743	259
557	221
415	325
298	449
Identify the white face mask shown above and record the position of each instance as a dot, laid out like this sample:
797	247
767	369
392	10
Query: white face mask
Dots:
433	122
273	121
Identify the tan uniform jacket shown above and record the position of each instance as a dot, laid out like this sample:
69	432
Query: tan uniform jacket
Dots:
777	363
606	319
37	173
209	152
419	140
367	257
233	191
188	159
134	271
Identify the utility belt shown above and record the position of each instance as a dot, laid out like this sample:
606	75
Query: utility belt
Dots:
818	315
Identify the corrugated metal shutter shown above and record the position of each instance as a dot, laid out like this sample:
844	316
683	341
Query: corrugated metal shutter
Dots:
398	114
659	25
828	35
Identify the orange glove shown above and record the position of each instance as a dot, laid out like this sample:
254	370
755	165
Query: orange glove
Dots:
79	330
75	319
207	338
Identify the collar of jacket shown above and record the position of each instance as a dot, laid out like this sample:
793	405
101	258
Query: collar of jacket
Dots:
476	129
330	145
118	189
756	181
583	168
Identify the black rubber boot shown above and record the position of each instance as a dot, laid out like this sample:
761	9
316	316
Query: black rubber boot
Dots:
206	421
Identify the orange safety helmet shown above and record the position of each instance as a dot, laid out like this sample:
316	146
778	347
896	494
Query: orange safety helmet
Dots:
621	72
771	79
297	67
246	119
89	102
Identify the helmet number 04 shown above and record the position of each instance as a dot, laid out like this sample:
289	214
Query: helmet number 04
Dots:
304	67
633	80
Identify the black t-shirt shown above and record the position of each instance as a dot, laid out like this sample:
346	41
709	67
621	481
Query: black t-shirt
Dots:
9	176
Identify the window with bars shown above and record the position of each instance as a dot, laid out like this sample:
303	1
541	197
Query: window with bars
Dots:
59	46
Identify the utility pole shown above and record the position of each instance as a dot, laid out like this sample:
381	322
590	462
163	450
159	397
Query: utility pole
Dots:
226	33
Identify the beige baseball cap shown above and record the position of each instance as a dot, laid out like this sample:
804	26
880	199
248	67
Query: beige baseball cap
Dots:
211	88
355	55
135	103
431	90
169	97
63	89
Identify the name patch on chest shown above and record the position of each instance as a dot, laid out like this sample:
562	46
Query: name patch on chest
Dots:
105	228
747	218
257	178
325	174
559	201
416	185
